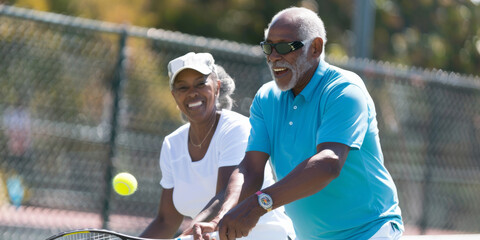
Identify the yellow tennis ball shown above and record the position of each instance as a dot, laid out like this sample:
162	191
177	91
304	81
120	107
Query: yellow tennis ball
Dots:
124	184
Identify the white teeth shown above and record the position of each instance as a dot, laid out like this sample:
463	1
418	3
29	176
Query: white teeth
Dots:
279	69
196	104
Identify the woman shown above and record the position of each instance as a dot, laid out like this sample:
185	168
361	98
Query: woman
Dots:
198	158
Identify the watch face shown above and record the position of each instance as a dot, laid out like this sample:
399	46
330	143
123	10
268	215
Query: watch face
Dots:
265	201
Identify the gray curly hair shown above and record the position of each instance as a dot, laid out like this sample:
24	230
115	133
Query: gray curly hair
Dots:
227	86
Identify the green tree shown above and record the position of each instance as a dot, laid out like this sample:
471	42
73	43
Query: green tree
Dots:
430	34
426	33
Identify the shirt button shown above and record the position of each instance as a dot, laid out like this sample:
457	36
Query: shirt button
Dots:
290	123
294	107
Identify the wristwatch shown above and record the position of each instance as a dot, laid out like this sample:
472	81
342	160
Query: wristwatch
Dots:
265	201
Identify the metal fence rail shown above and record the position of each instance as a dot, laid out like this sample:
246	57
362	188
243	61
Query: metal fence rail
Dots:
83	99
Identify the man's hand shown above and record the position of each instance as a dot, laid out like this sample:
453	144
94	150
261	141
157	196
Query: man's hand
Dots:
240	220
200	230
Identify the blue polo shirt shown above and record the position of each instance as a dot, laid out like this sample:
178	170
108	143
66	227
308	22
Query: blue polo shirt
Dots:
335	106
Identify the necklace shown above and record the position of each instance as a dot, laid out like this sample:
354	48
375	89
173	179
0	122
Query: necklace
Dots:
205	138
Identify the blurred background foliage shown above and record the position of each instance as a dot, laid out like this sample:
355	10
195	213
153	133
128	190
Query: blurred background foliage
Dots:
441	34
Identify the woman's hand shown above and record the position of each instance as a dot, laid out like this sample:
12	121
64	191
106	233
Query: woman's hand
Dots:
200	230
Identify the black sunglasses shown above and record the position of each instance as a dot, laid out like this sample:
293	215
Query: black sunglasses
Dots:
281	47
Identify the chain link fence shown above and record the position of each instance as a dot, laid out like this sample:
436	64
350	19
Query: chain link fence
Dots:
82	100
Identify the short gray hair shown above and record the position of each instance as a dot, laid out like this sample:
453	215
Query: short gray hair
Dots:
310	25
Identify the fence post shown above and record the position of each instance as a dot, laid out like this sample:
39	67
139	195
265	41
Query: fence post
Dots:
363	28
118	82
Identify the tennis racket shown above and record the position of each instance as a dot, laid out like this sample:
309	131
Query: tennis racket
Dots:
101	234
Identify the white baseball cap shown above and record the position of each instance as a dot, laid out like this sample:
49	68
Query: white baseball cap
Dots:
200	62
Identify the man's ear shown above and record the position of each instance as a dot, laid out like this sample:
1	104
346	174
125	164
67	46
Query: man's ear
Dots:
317	45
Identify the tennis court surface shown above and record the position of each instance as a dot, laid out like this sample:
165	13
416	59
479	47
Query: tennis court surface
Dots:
50	221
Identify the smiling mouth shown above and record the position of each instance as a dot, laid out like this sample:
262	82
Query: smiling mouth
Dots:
195	104
279	71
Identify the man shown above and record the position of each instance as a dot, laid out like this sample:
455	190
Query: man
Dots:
318	125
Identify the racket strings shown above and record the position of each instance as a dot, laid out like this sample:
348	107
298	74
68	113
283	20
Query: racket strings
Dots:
90	236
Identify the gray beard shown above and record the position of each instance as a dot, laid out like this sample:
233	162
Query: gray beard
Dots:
301	66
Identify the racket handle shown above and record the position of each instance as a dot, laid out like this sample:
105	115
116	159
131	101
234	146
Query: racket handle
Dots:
213	235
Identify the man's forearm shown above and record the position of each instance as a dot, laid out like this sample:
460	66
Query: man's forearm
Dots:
309	177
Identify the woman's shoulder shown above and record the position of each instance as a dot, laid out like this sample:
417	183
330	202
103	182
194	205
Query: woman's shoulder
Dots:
179	133
233	124
229	114
231	118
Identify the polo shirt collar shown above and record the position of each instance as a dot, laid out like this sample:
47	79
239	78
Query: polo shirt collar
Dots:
308	91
